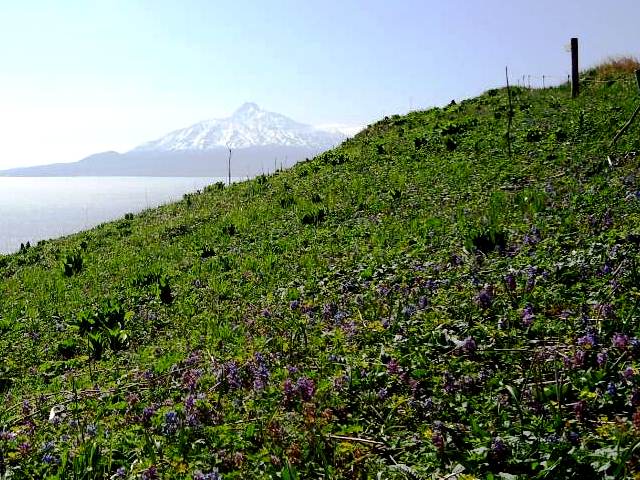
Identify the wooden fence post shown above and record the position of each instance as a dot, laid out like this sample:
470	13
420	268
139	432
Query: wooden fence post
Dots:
638	78
575	85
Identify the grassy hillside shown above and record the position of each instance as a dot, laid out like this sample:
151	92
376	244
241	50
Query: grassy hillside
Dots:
412	304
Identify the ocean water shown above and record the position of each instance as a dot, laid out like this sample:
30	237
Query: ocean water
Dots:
39	208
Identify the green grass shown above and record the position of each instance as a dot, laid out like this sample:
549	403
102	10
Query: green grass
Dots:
411	304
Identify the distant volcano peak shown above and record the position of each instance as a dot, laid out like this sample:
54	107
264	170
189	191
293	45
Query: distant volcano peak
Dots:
248	126
248	107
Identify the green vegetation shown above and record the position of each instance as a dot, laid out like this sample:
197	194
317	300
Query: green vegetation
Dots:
412	304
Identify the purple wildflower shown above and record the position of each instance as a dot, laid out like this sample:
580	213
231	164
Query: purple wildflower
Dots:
587	341
620	341
601	358
306	388
48	446
484	298
232	375
393	367
147	413
449	383
340	316
289	390
50	459
611	389
260	372
628	373
510	282
213	475
423	302
120	472
533	237
469	345
499	450
150	473
527	316
171	423
578	358
190	379
438	441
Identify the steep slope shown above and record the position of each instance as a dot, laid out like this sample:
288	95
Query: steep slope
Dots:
412	304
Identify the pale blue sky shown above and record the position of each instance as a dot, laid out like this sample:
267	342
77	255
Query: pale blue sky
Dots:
78	77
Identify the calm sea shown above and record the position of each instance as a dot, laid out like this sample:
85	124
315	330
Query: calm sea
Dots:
38	208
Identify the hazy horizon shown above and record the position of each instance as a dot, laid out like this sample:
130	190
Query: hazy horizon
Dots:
82	78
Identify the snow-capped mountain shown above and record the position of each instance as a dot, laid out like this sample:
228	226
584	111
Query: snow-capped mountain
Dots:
262	142
249	126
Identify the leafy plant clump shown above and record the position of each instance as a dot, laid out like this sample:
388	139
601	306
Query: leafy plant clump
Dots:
415	303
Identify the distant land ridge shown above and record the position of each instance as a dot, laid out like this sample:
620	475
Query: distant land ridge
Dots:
261	142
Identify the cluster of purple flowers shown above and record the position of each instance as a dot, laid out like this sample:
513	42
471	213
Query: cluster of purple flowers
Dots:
438	441
601	358
588	341
150	473
577	360
190	379
304	389
628	373
393	367
620	341
532	275
499	450
147	414
527	316
484	298
469	345
231	375
423	302
510	282
260	372
212	475
533	237
171	423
